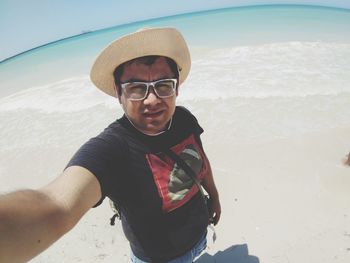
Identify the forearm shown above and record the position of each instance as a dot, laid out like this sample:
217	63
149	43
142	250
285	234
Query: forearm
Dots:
209	184
29	223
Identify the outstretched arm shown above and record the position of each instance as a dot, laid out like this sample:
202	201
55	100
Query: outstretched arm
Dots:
210	187
31	220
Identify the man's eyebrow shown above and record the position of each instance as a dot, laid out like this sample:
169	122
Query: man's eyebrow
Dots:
132	80
141	80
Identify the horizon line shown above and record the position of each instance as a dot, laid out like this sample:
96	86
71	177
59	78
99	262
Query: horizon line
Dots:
86	32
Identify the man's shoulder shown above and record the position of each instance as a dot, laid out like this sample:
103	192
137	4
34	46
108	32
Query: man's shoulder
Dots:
110	137
113	131
106	145
184	114
182	110
185	121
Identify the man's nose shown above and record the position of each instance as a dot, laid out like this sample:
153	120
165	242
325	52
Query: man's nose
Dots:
151	97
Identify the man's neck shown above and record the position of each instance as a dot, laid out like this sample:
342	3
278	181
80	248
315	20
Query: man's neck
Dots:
151	134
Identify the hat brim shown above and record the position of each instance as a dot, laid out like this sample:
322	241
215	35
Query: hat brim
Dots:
167	42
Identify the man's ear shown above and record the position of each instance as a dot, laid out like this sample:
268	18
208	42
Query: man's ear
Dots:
116	90
177	88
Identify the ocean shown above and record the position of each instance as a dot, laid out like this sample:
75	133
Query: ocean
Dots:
259	75
284	66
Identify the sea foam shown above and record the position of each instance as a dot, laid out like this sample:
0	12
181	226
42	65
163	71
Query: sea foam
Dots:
291	69
69	95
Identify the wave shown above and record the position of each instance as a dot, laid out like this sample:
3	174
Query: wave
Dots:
291	69
69	95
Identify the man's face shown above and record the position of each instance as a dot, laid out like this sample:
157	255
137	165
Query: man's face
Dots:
152	114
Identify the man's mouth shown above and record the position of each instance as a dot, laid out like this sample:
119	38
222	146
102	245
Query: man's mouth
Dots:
153	114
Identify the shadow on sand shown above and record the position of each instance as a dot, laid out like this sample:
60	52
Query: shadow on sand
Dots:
233	254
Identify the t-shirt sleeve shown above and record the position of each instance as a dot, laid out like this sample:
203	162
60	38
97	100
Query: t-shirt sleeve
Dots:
102	158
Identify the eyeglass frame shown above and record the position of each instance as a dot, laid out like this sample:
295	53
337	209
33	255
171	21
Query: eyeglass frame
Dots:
151	83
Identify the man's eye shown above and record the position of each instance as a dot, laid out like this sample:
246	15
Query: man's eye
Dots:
136	88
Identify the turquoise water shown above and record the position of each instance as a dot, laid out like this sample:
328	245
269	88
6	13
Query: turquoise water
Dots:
213	29
258	62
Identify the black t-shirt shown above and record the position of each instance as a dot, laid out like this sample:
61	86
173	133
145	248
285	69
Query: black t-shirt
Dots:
163	214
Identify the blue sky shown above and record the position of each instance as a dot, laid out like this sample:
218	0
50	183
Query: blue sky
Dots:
28	24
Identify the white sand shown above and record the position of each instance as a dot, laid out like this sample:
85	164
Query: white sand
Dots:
284	200
276	159
285	195
288	200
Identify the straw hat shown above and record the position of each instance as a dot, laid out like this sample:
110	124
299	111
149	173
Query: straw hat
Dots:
166	42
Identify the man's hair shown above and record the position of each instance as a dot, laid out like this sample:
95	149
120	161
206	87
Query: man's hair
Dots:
147	60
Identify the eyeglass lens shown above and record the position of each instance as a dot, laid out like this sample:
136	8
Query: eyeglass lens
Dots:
139	90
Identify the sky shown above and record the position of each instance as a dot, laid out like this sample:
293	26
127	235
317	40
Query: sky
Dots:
28	24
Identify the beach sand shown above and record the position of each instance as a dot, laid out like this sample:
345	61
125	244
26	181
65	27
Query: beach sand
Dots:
277	163
283	200
276	145
287	200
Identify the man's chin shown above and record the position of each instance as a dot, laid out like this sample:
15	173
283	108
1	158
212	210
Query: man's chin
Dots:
155	127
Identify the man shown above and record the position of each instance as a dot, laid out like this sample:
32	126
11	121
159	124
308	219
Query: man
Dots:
163	212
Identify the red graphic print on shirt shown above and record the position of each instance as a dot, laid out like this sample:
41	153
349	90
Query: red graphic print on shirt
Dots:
174	185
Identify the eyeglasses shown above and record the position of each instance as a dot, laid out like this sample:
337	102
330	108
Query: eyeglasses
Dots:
163	88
